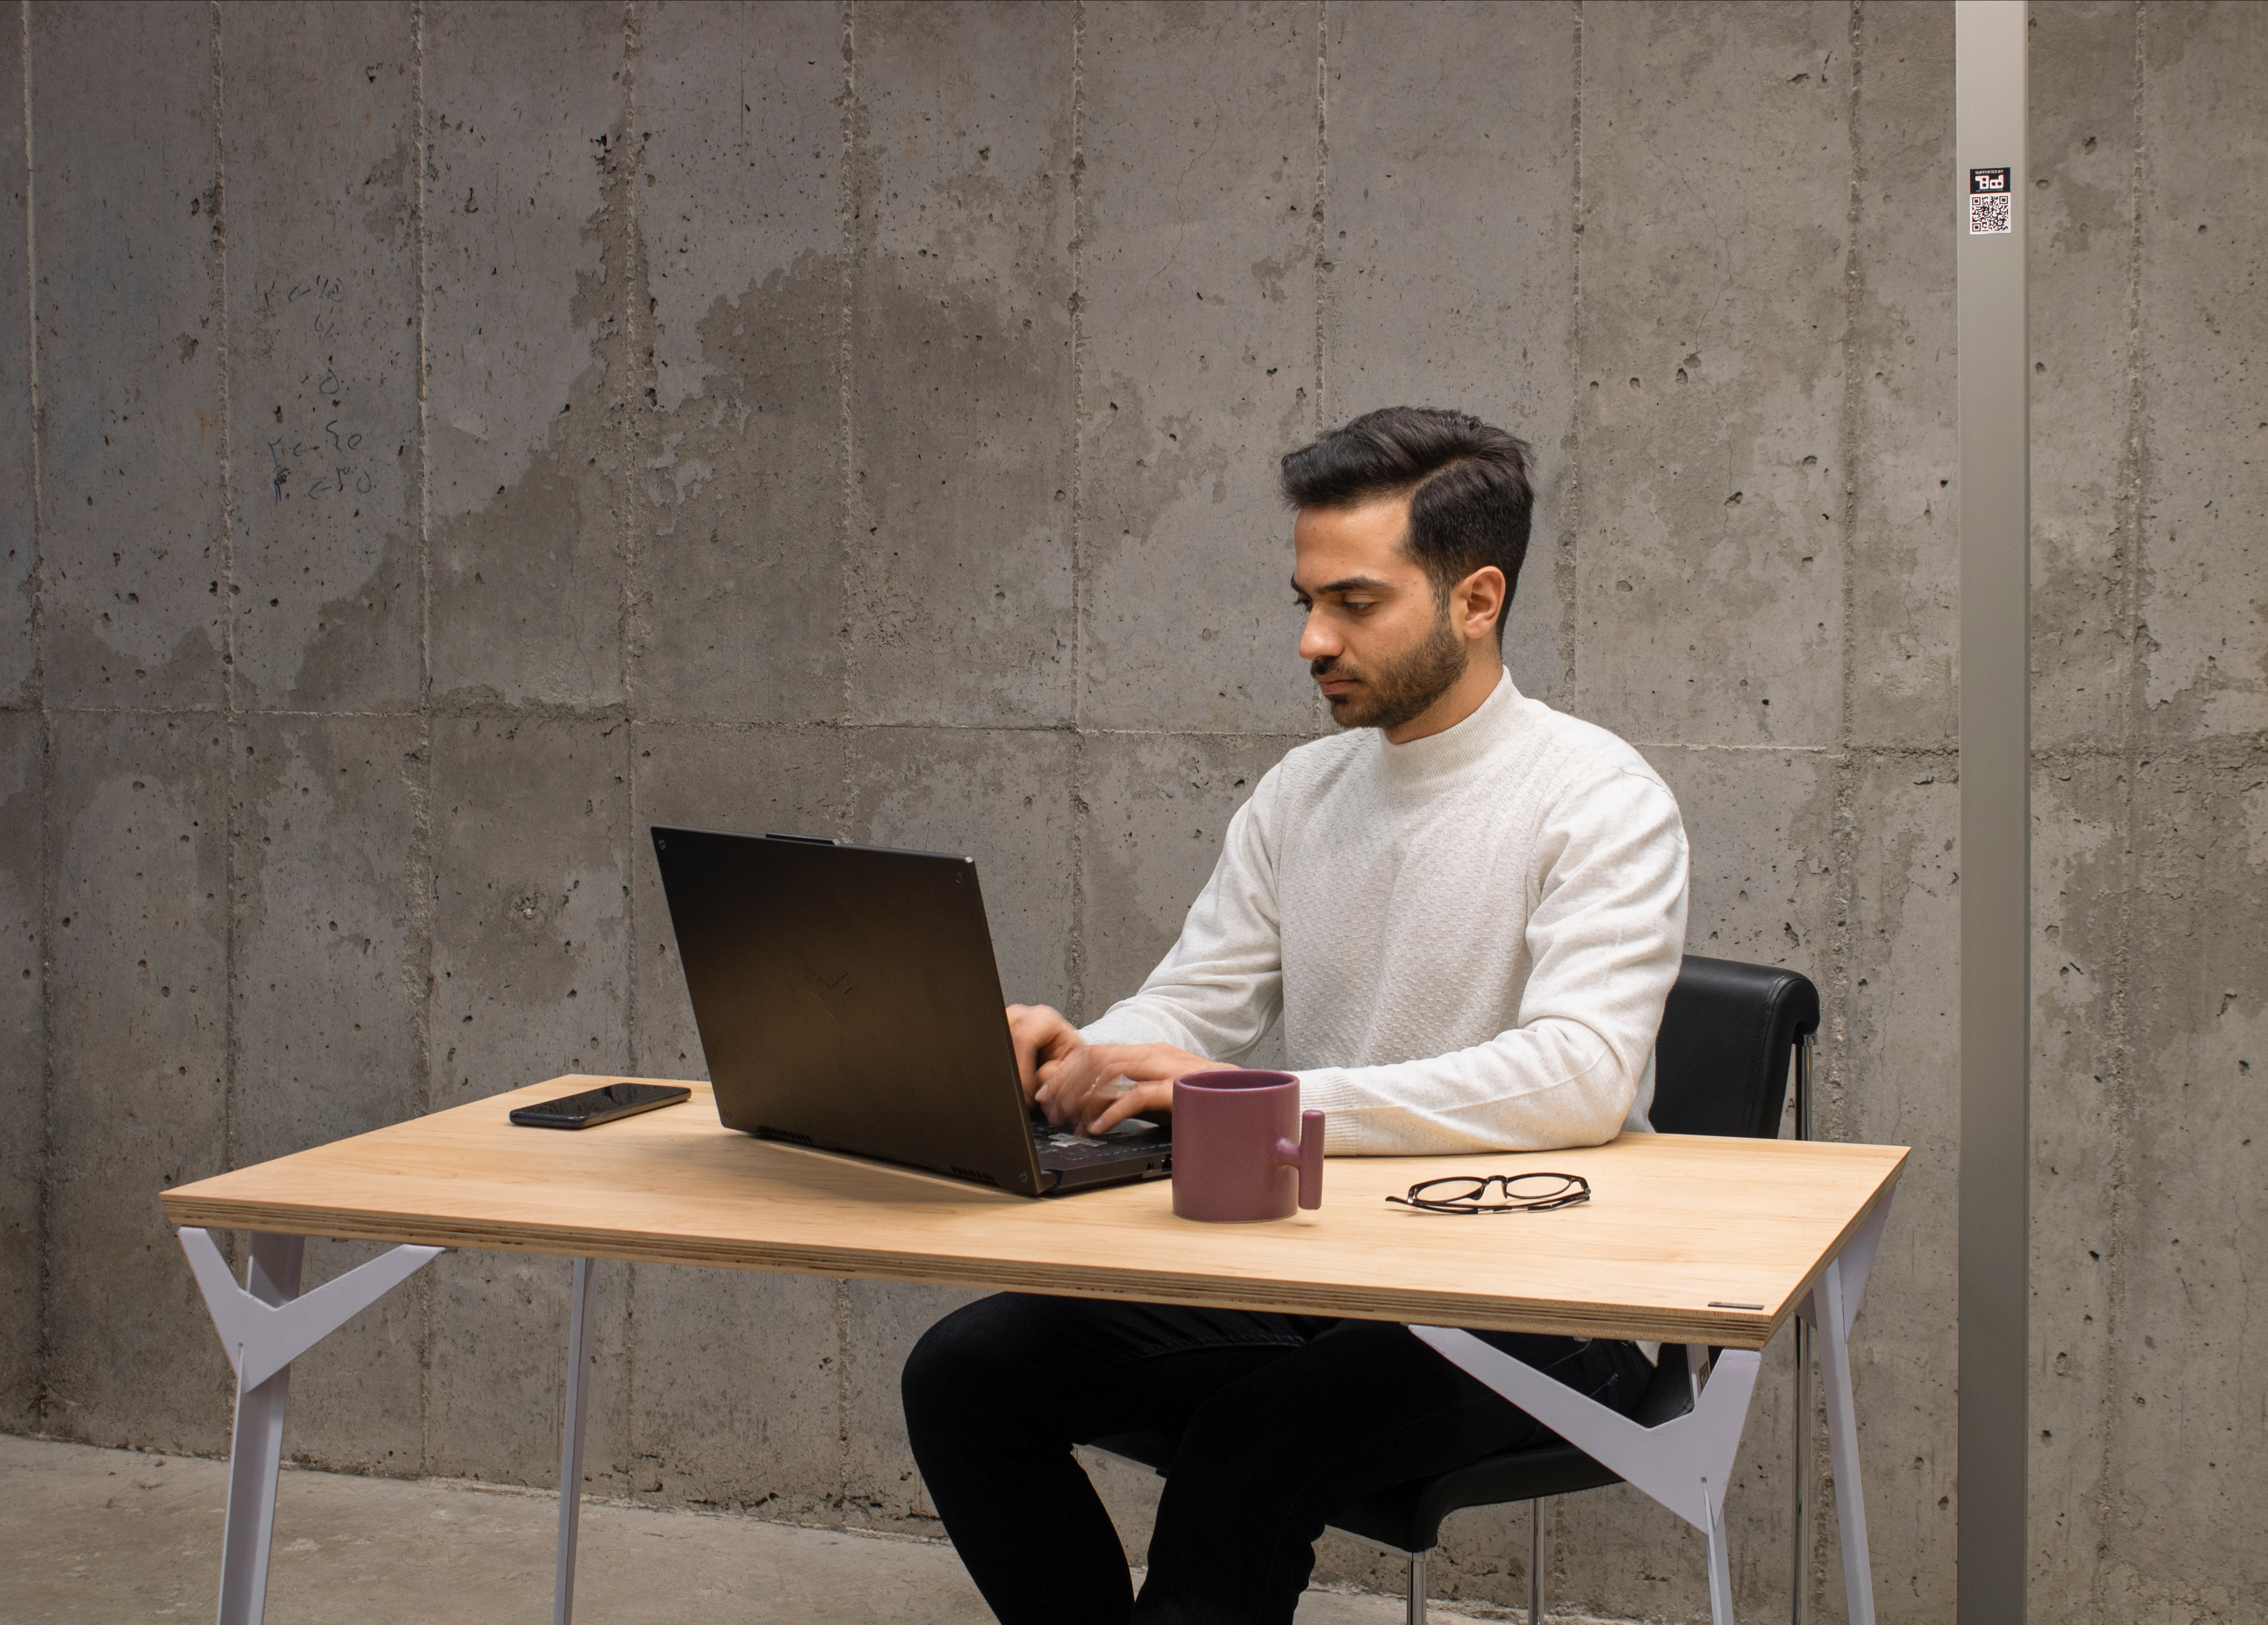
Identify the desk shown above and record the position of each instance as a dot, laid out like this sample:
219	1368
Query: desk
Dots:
1686	1240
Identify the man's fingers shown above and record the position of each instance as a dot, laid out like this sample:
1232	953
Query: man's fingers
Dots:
1067	1085
1141	1100
1039	1036
1024	1040
1071	1084
1112	1114
1025	1060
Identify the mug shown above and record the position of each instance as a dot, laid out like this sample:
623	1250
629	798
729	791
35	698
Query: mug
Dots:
1234	1156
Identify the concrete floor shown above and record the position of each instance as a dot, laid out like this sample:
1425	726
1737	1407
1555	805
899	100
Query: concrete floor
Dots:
117	1535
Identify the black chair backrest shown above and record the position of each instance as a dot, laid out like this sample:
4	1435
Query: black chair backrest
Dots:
1720	1064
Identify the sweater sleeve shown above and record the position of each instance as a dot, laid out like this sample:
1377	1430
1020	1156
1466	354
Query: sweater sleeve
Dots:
1605	939
1219	988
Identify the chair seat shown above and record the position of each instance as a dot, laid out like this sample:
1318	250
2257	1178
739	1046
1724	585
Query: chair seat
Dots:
1407	1516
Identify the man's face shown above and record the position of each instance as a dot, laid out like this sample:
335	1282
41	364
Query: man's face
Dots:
1377	639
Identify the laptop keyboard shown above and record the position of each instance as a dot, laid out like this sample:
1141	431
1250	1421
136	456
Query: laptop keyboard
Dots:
1063	1147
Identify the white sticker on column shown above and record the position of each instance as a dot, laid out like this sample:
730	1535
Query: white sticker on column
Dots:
1990	209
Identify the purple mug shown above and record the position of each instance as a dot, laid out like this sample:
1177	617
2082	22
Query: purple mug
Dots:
1234	1156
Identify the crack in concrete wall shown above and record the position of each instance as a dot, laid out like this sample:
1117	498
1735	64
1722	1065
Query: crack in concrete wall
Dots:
448	439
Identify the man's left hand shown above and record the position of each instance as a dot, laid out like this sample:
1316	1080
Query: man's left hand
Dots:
1077	1088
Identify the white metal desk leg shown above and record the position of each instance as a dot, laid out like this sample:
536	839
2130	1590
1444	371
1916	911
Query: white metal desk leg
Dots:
1799	1528
264	1326
257	1447
571	1442
1833	1307
1684	1463
1799	1540
1720	1565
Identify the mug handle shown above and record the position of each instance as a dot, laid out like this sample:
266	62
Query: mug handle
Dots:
1307	1157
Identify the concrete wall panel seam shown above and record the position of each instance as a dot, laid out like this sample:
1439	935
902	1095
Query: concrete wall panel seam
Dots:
1570	529
857	202
42	1341
1319	214
419	960
2131	736
215	66
2111	1511
23	684
851	203
1834	991
1080	602
629	159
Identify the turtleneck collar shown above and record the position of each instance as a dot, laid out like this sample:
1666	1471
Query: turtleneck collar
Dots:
1439	757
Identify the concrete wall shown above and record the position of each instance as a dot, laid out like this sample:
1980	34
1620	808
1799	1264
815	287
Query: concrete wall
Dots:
437	441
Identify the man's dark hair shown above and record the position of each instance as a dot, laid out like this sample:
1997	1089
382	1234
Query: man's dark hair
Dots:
1469	499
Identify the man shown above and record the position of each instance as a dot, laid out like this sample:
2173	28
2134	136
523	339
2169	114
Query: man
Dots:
1468	912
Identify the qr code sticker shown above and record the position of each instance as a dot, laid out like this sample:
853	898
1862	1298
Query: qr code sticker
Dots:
1989	214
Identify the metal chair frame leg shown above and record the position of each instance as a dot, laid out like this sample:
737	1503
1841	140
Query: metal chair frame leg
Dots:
1535	1561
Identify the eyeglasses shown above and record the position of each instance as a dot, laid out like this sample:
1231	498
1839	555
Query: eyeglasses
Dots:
1468	1193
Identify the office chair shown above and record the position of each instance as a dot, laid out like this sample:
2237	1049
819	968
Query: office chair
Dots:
1721	1067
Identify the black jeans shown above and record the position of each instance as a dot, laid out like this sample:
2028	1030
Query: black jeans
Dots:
1282	1419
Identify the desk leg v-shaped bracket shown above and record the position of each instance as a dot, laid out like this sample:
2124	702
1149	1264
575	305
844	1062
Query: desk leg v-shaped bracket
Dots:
1686	1463
264	1326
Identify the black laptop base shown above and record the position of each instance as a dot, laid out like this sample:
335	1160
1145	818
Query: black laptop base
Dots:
1079	1162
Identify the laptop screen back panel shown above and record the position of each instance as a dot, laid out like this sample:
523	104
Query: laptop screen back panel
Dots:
847	998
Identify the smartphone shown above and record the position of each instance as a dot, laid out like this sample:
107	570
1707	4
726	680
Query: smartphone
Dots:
599	1106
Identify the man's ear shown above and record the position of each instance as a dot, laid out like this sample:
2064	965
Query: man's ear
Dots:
1477	602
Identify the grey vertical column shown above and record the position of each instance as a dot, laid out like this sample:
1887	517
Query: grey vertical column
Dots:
1995	489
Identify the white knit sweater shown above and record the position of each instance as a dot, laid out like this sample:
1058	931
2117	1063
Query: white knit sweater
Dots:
1470	937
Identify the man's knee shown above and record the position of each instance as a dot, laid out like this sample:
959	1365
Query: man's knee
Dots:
998	1348
952	1361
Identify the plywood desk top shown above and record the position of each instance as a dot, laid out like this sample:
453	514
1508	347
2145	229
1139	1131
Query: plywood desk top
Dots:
1675	1222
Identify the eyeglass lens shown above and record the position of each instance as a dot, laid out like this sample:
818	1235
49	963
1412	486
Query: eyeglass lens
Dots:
1470	1192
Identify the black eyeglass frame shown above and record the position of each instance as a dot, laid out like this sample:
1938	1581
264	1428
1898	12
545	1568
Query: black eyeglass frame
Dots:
1574	1191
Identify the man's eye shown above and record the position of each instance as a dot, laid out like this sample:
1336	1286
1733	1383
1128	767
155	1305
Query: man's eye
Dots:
1357	604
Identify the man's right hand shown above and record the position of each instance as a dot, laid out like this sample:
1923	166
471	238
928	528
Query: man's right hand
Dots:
1041	1035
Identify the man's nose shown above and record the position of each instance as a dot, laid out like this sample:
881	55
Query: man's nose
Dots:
1316	639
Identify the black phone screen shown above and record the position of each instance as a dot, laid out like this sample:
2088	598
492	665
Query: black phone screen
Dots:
599	1106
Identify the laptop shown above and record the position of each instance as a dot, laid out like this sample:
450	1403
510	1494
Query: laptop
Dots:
848	999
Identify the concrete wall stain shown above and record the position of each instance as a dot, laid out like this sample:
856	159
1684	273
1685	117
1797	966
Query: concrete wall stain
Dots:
737	594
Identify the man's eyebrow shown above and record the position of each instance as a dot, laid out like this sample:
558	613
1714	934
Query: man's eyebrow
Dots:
1346	584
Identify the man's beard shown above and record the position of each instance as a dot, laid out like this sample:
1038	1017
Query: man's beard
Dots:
1403	688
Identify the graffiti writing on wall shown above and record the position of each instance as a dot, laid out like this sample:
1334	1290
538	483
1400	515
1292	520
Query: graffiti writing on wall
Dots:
327	463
